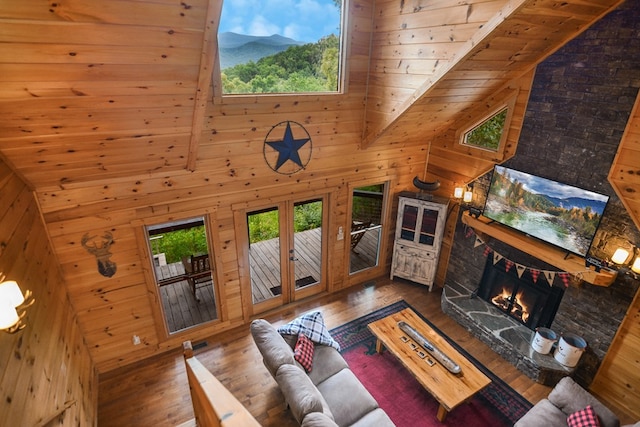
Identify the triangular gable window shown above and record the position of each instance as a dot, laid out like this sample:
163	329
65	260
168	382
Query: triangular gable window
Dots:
280	46
488	134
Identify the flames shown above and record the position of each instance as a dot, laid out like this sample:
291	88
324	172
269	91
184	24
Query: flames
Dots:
511	304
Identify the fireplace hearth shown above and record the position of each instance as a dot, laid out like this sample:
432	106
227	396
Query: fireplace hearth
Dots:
532	303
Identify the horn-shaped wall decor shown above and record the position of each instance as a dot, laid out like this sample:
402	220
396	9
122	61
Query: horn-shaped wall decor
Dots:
106	267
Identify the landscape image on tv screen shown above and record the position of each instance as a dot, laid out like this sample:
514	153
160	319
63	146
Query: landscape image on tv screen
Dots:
560	214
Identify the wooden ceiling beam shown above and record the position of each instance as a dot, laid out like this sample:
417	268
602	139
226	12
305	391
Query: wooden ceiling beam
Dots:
522	23
207	61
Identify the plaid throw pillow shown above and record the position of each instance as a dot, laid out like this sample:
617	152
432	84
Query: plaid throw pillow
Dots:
584	418
312	325
303	352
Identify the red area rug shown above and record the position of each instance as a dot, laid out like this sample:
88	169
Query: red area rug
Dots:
404	399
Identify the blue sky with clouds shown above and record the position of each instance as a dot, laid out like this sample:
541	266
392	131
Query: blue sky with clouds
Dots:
302	20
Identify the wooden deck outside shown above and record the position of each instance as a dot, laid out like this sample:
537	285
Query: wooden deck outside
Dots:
265	268
183	311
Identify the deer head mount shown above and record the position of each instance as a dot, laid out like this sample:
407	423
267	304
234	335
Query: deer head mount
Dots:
106	267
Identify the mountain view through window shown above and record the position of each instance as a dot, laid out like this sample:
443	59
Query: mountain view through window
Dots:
280	46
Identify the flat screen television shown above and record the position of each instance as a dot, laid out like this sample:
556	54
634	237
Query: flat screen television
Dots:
560	214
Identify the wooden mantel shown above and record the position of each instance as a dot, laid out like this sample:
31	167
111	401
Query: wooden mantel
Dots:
573	264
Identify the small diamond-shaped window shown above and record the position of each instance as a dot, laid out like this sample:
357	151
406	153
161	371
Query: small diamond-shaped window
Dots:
487	134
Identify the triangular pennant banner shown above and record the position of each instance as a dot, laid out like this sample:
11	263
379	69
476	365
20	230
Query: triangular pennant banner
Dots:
550	275
520	269
469	232
496	257
508	265
534	274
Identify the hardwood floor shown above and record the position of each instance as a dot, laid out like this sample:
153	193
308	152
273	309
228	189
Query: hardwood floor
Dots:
155	392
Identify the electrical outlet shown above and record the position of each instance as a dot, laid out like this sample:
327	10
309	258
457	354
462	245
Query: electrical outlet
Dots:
135	340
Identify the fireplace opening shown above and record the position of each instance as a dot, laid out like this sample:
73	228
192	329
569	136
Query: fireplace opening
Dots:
534	304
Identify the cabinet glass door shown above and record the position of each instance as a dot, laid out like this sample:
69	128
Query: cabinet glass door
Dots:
428	227
409	221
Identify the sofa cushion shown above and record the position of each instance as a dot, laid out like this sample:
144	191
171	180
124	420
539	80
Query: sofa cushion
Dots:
312	325
318	419
299	392
327	361
303	352
570	397
275	351
348	399
377	418
583	418
543	414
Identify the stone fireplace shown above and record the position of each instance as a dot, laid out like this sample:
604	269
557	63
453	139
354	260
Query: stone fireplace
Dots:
518	295
590	311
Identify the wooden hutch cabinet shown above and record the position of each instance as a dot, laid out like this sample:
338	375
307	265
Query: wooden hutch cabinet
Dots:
419	231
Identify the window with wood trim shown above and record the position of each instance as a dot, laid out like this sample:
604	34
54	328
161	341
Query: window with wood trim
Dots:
280	46
489	133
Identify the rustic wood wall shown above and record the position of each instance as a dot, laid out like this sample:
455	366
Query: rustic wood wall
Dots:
230	173
617	377
624	175
99	103
45	368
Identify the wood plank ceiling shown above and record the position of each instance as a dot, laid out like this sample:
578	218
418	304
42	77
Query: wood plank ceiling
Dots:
87	83
96	92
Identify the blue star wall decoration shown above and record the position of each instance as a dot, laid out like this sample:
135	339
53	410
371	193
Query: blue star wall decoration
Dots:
287	147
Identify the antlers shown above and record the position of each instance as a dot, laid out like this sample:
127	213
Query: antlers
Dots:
94	248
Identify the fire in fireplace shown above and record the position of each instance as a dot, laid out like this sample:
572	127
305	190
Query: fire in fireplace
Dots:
534	304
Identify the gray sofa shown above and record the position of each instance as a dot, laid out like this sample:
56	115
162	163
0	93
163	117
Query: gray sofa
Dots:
566	398
329	395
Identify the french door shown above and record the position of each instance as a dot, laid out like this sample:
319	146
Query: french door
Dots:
286	252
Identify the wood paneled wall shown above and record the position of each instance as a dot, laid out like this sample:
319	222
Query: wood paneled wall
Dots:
230	173
617	378
45	369
624	175
98	105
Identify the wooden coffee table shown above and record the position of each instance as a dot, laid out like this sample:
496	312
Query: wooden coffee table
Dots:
450	390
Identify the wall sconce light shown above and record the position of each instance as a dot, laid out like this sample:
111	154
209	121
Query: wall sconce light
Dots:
627	260
635	267
13	306
620	256
465	194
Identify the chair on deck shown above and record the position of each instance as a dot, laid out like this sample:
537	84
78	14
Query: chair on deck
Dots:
358	228
198	271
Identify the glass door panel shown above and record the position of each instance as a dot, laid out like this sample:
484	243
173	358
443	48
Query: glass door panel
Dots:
366	227
409	221
428	228
264	254
306	253
286	252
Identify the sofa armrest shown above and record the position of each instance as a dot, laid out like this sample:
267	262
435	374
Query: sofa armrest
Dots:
543	414
299	392
274	349
570	397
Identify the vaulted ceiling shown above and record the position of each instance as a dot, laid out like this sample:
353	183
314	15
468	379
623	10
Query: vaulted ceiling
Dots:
94	91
